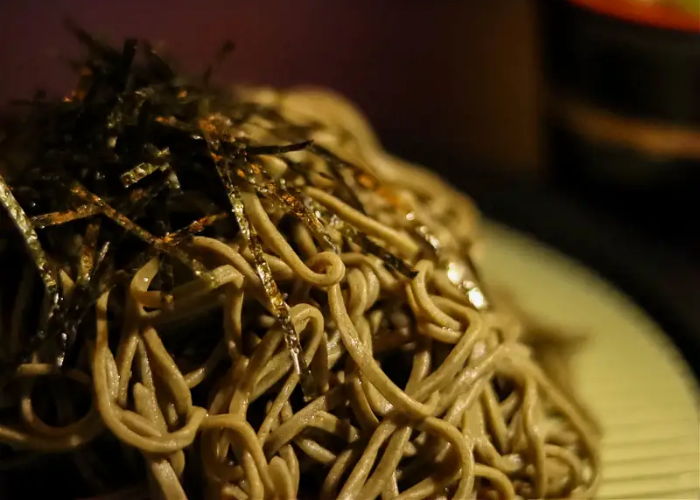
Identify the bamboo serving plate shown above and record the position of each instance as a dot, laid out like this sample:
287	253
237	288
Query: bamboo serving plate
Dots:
628	374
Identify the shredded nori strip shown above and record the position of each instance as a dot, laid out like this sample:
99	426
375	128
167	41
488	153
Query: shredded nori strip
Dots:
133	162
57	218
194	228
370	246
262	268
290	201
197	268
47	274
390	260
337	167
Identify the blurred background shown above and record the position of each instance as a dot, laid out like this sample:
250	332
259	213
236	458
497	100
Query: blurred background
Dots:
575	120
457	75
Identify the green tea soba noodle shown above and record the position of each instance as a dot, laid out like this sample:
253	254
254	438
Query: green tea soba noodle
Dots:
326	335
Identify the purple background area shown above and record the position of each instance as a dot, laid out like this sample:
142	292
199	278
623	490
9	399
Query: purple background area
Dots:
452	74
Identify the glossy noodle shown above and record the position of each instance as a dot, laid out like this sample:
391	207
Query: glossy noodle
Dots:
420	385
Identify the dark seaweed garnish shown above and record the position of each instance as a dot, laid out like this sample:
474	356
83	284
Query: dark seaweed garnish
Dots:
136	160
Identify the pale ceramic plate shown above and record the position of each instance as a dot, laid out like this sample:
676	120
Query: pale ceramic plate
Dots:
629	374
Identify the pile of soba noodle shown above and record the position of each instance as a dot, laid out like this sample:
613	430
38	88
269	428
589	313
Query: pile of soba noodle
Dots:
425	387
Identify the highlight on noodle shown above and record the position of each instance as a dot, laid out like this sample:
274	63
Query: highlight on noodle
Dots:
239	295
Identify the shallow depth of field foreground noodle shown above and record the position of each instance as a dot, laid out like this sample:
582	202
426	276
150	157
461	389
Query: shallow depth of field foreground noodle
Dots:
424	390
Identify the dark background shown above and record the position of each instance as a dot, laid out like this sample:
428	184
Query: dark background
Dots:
460	76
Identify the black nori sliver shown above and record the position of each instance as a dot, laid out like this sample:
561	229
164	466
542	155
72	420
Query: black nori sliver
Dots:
106	163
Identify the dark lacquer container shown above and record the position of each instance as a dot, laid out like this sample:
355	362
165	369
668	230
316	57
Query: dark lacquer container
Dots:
622	107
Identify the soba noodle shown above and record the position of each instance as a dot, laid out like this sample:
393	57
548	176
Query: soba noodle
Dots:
424	388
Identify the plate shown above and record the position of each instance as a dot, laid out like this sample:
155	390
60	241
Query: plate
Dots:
629	374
